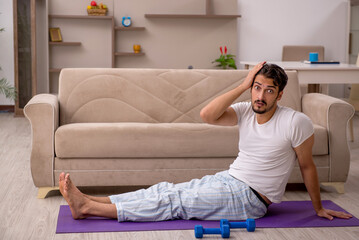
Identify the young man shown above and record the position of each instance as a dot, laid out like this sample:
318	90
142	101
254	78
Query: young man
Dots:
271	138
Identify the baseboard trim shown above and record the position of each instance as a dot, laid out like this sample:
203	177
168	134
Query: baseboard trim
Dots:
7	108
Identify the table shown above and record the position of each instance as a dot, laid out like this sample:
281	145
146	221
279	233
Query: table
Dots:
318	73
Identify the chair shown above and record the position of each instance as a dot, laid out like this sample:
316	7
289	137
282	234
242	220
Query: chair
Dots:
353	100
301	53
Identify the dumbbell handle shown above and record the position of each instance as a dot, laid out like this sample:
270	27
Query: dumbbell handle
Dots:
211	230
237	224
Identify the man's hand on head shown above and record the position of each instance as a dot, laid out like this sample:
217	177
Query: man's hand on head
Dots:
247	83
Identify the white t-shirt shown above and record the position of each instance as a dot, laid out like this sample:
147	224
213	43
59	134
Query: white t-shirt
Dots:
266	156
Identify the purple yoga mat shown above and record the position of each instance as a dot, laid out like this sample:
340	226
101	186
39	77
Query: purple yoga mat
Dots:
288	214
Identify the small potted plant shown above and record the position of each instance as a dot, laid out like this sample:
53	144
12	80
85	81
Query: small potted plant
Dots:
225	60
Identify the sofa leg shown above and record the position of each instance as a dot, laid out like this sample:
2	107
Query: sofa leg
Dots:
43	191
338	186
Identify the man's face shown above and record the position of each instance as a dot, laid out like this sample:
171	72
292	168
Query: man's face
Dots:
264	95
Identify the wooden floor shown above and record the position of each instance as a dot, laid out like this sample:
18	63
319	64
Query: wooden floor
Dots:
23	216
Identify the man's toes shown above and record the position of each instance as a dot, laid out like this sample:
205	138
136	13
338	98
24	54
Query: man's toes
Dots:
62	176
67	178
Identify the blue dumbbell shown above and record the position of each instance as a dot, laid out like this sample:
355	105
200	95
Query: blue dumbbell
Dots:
223	230
250	224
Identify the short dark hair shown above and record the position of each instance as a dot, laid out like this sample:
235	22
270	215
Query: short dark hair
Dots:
274	72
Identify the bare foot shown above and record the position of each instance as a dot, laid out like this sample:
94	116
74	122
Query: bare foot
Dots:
96	199
76	200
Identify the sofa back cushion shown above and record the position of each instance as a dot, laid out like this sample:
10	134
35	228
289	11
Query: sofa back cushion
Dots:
149	95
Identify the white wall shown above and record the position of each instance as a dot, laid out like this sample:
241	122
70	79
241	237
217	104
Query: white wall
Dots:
266	26
6	46
167	43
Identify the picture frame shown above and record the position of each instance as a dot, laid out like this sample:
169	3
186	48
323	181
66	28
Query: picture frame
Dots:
55	35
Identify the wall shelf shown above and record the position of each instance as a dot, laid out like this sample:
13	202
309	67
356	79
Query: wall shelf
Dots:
127	29
81	17
130	28
64	43
203	16
208	15
129	54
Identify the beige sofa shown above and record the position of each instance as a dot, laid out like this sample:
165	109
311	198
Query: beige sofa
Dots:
111	127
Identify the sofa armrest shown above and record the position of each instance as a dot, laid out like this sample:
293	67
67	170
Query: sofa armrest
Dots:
43	113
333	114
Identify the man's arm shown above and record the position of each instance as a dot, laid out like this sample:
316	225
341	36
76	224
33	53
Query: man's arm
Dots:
218	111
310	177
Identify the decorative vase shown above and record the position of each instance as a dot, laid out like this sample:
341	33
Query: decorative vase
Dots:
137	48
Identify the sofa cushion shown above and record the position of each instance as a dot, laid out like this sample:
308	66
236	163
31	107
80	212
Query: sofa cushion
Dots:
145	140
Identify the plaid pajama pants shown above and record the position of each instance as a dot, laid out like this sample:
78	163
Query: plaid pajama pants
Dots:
211	198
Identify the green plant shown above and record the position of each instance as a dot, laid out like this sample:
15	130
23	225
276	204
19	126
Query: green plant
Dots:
5	87
225	60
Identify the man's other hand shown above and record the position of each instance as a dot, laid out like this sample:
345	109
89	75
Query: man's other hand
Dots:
330	214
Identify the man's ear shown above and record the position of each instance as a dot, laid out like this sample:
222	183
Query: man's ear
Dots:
280	94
